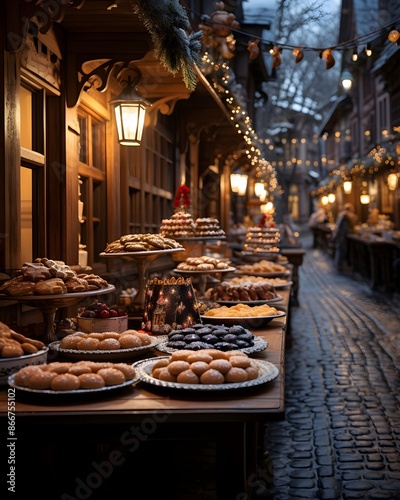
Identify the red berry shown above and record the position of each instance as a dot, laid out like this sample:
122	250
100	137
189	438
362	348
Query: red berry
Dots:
104	314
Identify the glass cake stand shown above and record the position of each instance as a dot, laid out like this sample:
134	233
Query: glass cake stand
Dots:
48	305
142	259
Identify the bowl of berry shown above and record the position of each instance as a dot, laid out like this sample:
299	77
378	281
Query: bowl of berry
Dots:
99	317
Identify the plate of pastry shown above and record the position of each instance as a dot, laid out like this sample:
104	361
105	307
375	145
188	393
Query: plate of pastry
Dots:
62	378
206	370
92	348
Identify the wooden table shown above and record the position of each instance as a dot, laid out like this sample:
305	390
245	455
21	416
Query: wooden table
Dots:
48	431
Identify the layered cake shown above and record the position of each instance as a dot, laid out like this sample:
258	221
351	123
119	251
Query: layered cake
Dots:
261	239
208	227
180	225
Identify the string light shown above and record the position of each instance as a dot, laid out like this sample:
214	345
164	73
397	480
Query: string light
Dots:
393	35
354	57
368	50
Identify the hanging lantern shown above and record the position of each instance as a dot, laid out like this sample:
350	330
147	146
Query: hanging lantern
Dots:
331	198
239	183
347	185
365	199
130	110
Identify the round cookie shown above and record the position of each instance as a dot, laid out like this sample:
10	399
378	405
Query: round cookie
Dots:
213	377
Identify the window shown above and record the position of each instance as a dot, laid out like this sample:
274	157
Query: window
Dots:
92	173
32	173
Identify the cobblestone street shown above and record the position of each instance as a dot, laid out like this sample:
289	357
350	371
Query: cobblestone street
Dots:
340	438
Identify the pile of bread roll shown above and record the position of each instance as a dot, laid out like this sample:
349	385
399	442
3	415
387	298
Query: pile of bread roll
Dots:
206	366
14	345
50	277
64	376
105	341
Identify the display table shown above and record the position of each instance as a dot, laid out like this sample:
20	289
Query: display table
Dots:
232	420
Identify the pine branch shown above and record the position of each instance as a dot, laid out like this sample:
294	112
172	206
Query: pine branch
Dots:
167	22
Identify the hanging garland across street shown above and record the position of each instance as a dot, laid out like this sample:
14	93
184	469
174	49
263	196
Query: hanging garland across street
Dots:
175	44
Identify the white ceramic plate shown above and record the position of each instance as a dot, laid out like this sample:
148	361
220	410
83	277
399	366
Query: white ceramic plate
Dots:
101	355
105	389
259	345
268	372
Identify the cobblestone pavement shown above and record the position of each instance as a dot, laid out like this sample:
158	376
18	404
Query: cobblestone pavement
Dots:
340	438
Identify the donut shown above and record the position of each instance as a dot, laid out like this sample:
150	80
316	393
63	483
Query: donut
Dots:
199	367
187	377
88	344
41	380
212	376
112	376
176	367
236	375
109	344
91	381
128	341
222	365
65	382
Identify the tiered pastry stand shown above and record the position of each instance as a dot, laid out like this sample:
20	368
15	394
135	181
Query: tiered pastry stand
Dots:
48	305
142	259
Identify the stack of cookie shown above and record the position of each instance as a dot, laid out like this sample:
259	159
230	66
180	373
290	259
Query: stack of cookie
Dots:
141	243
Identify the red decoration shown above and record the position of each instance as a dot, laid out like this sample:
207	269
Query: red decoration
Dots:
182	198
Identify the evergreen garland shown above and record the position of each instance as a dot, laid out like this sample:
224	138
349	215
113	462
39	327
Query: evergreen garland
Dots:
168	24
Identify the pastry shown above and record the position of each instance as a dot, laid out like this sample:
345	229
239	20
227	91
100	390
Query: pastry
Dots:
111	376
91	381
52	286
65	382
187	377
